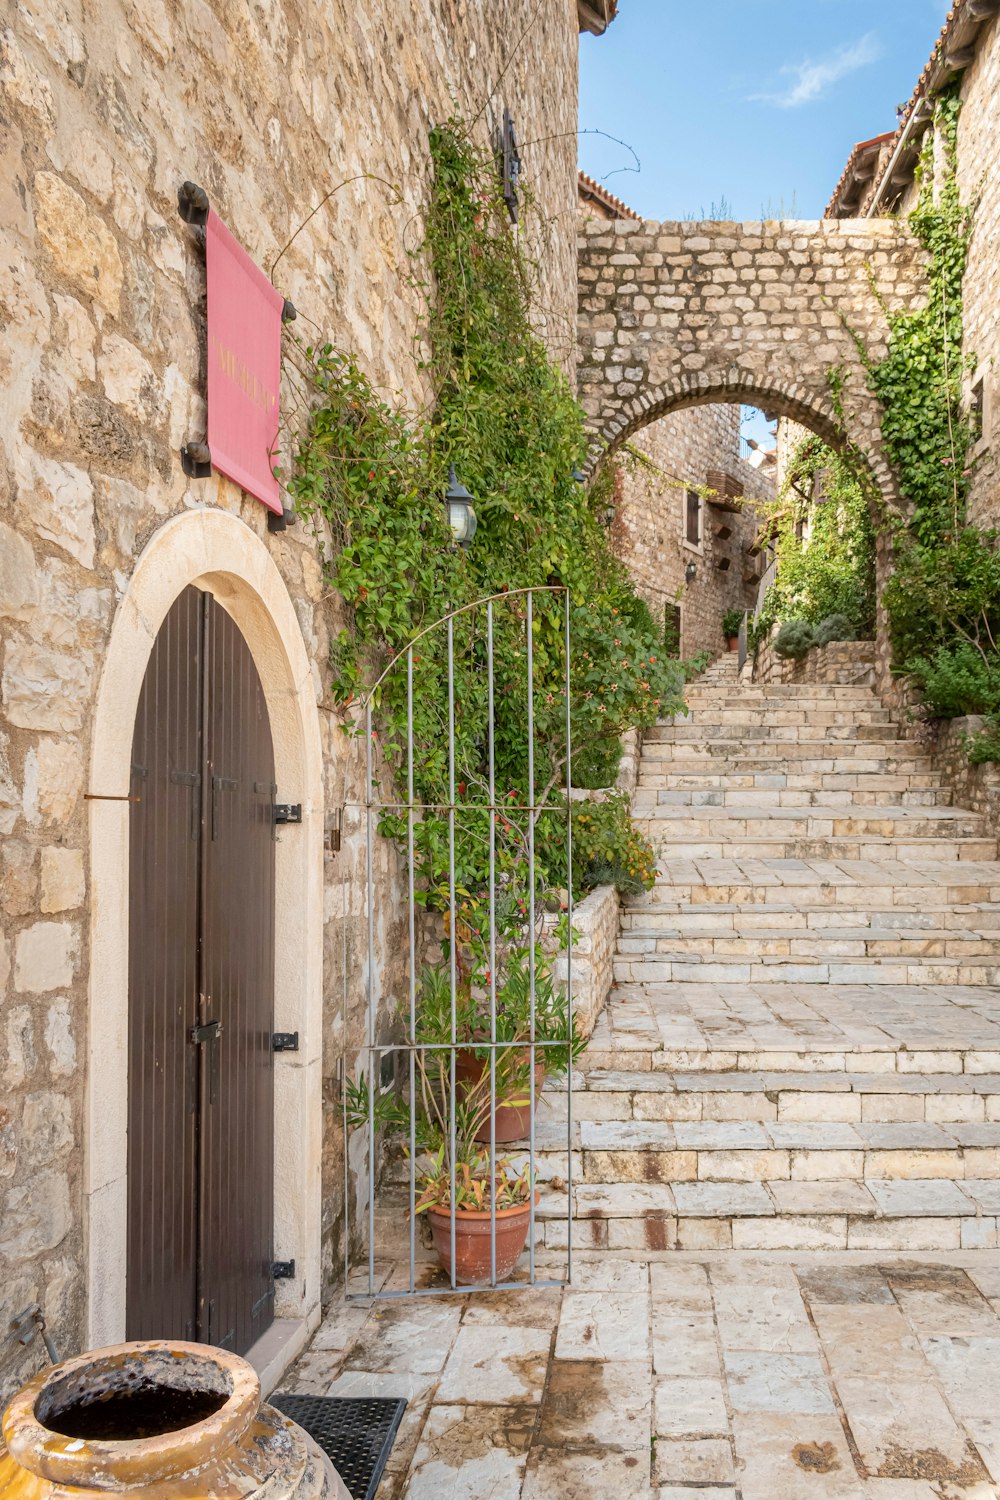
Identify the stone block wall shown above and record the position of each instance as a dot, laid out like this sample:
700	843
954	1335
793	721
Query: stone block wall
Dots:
596	923
849	663
308	127
979	183
649	531
975	787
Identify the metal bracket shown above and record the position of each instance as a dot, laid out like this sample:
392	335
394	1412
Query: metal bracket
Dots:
192	203
287	812
336	824
27	1324
284	1041
283	1270
196	460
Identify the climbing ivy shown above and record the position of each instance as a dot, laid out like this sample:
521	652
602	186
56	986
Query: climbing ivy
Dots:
943	599
505	415
824	541
919	382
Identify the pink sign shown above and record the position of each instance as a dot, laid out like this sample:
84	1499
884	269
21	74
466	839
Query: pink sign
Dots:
244	365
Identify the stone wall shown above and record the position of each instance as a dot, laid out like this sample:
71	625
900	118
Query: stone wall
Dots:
105	111
649	530
675	315
595	921
975	787
979	183
851	663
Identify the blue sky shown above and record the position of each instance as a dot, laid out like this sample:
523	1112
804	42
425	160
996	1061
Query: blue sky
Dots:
757	102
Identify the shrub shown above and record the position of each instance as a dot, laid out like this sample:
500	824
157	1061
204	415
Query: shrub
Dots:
958	680
609	850
731	623
795	639
834	628
985	746
696	664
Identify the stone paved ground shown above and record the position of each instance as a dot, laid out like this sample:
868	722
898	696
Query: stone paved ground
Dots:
725	1377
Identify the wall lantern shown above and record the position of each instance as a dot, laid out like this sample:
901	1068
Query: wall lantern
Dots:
690	572
461	511
607	515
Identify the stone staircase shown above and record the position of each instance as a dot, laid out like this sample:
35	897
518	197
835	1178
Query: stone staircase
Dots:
802	1049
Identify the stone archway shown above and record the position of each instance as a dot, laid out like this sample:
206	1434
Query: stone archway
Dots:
678	314
213	550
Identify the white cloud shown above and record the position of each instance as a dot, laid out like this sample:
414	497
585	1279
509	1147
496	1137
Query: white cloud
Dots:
810	80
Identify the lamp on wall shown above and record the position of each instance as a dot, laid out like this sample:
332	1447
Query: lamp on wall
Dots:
690	572
461	509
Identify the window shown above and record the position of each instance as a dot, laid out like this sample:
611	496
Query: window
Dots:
977	410
978	402
692	518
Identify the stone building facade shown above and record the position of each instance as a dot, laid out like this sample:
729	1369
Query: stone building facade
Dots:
672	515
967	51
308	128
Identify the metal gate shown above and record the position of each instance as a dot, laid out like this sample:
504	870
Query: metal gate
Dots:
404	1056
201	984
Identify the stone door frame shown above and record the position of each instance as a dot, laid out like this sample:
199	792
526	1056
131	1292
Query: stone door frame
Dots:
215	550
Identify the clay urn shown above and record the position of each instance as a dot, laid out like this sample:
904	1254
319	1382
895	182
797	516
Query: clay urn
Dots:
160	1420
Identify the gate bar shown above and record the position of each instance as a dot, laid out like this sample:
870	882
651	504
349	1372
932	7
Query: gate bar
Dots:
453	945
493	951
569	959
413	968
531	941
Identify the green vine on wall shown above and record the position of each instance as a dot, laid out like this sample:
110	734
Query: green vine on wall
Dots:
505	415
919	382
821	529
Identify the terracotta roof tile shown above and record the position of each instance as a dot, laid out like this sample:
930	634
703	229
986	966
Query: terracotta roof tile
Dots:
589	189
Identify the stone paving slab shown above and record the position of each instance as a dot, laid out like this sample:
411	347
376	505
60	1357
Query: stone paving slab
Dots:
735	1377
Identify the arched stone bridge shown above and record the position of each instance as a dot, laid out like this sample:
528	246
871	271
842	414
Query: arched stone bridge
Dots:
674	315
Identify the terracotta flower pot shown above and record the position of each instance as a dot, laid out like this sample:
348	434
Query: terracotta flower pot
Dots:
157	1420
734	643
513	1121
472	1241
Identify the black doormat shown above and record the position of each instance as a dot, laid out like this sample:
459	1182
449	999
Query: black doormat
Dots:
355	1432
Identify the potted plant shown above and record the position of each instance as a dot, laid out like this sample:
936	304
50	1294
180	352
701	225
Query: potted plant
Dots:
462	1186
732	620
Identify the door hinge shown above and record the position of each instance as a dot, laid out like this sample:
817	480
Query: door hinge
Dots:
287	812
284	1041
283	1270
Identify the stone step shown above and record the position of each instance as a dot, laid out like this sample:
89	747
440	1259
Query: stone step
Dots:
804	756
872	1098
744	698
864	942
728	919
816	821
735	795
918	1214
701	689
760	968
893	888
879	850
740	1151
817	718
841	727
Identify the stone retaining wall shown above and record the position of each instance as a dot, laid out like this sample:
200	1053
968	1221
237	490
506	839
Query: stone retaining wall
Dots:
849	663
596	923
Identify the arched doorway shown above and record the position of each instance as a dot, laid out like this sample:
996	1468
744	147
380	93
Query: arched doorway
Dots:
215	553
201	988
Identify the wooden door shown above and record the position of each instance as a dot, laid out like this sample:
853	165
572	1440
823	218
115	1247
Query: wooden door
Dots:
201	978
